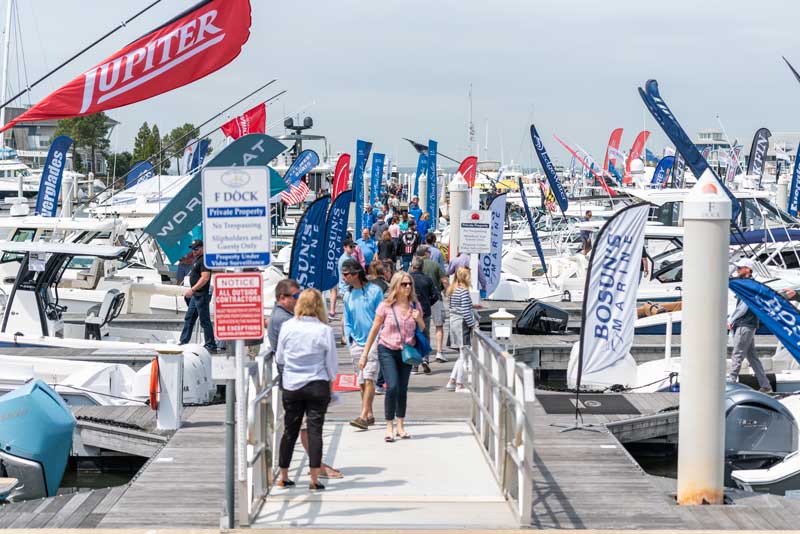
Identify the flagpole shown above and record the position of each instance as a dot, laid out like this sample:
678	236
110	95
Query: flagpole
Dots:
77	55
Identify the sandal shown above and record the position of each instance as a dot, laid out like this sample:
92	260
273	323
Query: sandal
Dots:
388	439
404	435
334	473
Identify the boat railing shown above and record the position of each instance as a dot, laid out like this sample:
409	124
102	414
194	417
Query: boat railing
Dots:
264	430
502	392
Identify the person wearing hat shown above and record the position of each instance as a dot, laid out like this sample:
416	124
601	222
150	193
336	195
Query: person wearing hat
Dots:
200	298
744	323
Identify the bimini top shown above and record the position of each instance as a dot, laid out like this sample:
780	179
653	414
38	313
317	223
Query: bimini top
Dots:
765	235
70	249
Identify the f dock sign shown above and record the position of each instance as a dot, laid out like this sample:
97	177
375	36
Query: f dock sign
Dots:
236	222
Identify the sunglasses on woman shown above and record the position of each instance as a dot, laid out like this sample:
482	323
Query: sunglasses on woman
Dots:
405	284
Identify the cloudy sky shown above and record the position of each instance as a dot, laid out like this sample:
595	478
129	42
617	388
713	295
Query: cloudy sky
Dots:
382	70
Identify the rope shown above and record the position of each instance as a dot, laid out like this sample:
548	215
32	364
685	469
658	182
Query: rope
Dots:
146	403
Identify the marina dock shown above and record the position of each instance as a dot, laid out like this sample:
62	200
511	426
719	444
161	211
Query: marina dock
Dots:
438	479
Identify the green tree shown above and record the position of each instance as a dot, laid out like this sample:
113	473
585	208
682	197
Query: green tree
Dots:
160	161
180	136
90	131
119	164
141	145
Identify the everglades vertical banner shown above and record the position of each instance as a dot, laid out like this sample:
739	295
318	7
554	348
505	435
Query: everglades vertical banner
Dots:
376	178
363	149
50	182
549	170
433	198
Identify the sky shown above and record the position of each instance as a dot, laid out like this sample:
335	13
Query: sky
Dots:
384	70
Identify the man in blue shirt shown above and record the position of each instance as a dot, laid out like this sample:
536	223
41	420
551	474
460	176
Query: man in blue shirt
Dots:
348	253
436	254
414	209
360	305
368	218
368	246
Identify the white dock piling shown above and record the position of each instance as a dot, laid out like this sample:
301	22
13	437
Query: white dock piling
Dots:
459	201
707	213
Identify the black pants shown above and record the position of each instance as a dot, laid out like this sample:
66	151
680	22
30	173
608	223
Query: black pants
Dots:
311	401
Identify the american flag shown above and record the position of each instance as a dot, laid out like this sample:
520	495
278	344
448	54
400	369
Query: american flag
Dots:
296	193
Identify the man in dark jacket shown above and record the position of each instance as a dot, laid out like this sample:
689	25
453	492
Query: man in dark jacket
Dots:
427	296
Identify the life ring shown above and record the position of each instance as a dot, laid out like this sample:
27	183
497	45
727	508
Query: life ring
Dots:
154	385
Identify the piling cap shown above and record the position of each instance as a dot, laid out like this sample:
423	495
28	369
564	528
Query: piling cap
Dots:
707	200
500	315
458	183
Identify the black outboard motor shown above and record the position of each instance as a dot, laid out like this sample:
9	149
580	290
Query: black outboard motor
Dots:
540	318
759	430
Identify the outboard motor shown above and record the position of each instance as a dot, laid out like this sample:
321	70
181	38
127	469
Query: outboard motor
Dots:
35	439
100	315
541	318
759	430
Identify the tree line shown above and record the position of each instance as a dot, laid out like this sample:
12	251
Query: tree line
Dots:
92	132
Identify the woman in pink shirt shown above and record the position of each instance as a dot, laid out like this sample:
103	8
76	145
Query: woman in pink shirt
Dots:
396	320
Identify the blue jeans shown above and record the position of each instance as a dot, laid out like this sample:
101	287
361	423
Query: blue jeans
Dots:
406	261
397	375
198	307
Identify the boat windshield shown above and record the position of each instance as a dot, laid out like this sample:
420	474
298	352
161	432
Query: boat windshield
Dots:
758	213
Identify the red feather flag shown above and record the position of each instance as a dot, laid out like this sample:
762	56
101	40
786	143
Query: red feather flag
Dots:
194	44
251	121
469	169
613	142
636	152
341	175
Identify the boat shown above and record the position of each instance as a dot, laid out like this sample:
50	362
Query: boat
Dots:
36	429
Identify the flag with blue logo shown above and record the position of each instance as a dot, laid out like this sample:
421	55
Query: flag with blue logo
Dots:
302	165
794	190
532	224
199	155
663	172
140	172
775	312
308	246
549	170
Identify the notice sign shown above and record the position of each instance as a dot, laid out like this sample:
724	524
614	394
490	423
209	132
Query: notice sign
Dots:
238	305
236	222
476	234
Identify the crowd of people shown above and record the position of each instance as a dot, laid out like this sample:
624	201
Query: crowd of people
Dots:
393	284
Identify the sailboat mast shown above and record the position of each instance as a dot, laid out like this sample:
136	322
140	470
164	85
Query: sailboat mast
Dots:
6	46
471	128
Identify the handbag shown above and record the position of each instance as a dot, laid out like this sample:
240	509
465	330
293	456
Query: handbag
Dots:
411	355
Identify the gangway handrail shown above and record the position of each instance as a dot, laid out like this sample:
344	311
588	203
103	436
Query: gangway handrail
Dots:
264	430
502	394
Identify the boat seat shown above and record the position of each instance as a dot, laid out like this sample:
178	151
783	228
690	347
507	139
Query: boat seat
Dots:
102	314
6	485
750	478
89	278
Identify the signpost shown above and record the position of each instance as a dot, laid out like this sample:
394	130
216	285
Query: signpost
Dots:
236	234
475	234
239	308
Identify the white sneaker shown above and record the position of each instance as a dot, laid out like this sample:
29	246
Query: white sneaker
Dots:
441	358
462	389
451	386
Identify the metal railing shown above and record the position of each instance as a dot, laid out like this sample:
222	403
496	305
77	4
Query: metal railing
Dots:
264	430
502	392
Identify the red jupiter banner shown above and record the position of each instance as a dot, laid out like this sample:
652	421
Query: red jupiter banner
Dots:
194	44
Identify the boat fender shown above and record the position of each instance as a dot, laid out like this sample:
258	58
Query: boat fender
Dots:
154	385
